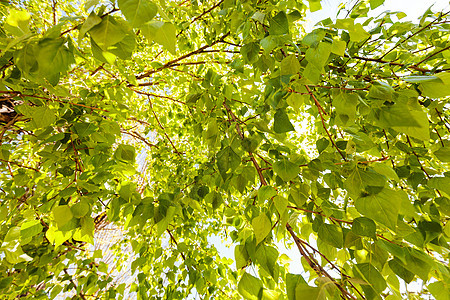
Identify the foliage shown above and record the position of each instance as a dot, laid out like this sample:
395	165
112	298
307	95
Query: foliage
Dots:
184	121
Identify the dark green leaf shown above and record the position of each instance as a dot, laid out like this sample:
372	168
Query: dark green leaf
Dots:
281	123
286	169
364	226
279	24
227	159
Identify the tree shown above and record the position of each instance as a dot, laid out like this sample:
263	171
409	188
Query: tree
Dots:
178	121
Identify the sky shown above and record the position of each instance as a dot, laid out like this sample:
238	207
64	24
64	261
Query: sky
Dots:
413	8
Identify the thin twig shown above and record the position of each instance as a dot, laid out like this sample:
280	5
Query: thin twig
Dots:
321	111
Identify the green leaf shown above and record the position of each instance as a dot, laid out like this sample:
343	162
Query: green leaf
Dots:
364	227
290	65
42	116
422	130
338	47
286	169
125	153
397	115
322	144
360	179
435	89
399	269
345	105
250	52
250	287
319	55
62	215
375	3
292	281
266	192
357	33
440	290
418	263
441	184
280	204
281	123
381	90
261	227
312	73
279	24
91	21
164	33
30	229
17	22
109	32
266	257
138	12
369	274
295	100
443	154
421	79
331	234
386	170
80	209
304	291
240	256
382	207
53	58
314	5
227	159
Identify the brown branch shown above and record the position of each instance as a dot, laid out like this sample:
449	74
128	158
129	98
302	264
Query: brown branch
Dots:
5	127
431	55
321	111
241	135
338	87
175	242
415	33
158	96
74	285
440	138
139	137
54	11
314	264
19	94
174	61
379	60
442	120
202	14
19	165
162	127
207	11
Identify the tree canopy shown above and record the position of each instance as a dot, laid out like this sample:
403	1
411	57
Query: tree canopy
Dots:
178	123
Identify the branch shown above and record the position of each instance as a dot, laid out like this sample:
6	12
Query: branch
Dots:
314	264
158	96
74	285
19	165
415	33
319	107
241	135
19	94
174	61
379	60
139	137
431	55
162	127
